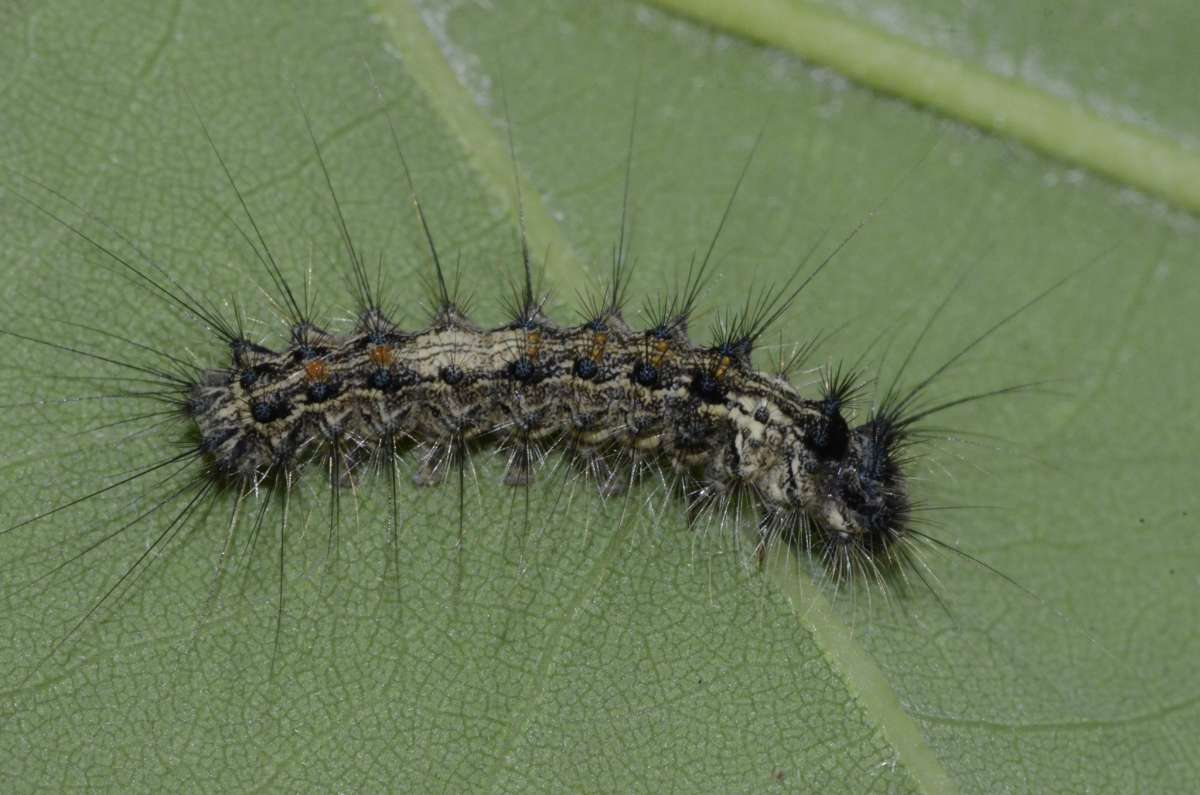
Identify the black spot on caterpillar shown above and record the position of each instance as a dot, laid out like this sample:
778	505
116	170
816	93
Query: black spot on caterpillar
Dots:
616	403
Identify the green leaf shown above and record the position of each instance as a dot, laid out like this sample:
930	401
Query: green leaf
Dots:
600	646
980	82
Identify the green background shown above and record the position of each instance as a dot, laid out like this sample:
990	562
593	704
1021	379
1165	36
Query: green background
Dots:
579	650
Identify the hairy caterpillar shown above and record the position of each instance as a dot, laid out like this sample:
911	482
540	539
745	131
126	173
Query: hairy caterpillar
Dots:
591	651
619	405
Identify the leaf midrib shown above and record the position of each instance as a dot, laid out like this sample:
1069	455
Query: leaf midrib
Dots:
1129	154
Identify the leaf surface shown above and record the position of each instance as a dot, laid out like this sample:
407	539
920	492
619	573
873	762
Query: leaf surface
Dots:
595	646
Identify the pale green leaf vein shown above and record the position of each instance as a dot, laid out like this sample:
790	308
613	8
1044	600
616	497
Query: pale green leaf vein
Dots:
487	151
864	678
1130	154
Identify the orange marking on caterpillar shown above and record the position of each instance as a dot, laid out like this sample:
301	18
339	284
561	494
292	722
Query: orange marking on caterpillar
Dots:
599	342
722	367
316	370
660	352
533	342
382	355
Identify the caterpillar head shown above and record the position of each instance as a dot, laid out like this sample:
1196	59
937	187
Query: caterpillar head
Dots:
857	514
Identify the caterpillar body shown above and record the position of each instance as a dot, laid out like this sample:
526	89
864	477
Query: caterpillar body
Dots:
599	385
621	404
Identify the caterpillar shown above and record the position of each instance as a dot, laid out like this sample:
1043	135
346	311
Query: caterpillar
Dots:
615	403
585	638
